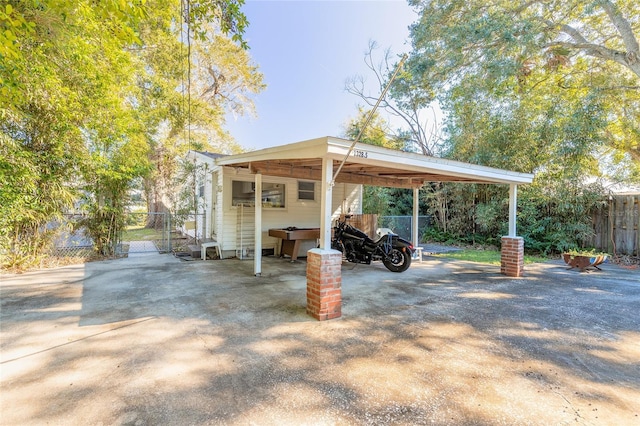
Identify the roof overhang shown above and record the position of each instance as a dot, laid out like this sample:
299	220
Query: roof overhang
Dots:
366	164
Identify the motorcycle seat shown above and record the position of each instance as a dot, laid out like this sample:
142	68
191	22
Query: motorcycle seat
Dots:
383	237
383	231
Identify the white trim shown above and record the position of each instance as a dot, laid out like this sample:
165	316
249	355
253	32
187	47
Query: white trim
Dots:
336	149
414	219
513	209
326	197
257	248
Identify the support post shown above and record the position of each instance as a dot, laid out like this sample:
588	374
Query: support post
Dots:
414	223
325	203
513	208
324	284
324	265
257	249
512	256
512	252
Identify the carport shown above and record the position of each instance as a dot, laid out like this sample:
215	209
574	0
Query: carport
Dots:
332	160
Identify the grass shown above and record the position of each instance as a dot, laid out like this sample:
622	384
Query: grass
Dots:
140	233
491	257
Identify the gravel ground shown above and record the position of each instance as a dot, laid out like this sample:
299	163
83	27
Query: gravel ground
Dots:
153	340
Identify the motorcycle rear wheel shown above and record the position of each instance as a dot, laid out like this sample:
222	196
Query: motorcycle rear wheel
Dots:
397	260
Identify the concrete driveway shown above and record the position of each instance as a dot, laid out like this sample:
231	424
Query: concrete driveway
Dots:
154	340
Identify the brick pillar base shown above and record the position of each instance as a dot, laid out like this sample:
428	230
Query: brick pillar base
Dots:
512	256
324	284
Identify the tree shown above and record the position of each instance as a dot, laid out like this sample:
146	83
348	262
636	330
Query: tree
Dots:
548	87
539	48
60	92
401	101
380	200
85	92
378	131
223	78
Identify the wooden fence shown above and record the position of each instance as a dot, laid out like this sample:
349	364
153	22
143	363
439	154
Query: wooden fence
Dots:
367	223
617	226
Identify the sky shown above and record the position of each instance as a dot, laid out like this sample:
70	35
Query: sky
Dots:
306	50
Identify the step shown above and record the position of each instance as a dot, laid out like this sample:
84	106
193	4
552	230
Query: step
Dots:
194	250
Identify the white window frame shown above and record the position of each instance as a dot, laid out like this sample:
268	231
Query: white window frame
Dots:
306	191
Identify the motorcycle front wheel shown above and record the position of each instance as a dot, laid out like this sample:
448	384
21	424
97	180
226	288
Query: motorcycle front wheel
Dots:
397	260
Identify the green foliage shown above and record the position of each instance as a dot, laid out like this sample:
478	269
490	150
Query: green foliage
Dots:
466	213
437	235
532	87
37	170
507	58
553	216
103	224
223	78
378	132
226	13
87	90
586	252
375	200
114	167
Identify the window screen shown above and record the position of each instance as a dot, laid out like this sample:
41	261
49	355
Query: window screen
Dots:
306	190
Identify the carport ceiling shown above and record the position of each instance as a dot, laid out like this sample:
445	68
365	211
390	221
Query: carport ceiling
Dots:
366	164
350	173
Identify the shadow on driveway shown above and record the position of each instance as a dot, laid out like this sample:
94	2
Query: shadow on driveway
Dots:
154	340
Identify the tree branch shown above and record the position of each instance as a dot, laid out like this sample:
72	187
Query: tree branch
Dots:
625	30
629	59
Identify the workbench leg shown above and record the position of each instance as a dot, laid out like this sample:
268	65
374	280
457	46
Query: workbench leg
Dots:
296	248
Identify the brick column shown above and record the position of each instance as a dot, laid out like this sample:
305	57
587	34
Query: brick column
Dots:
512	256
324	284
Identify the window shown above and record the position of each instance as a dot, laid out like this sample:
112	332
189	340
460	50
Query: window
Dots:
245	193
306	190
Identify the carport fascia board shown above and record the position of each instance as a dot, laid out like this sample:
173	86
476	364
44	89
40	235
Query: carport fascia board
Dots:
337	149
312	148
409	161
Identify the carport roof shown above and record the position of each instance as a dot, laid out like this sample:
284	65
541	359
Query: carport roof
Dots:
366	164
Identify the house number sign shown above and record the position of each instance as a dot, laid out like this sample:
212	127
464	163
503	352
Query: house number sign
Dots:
359	153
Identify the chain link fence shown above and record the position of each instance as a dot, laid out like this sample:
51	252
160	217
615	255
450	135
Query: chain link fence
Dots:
71	239
403	225
145	232
187	229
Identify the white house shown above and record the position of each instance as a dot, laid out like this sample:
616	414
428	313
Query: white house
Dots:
227	200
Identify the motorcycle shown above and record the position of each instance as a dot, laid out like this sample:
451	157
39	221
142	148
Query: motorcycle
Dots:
357	247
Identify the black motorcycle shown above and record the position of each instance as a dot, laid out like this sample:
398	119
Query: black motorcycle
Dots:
357	247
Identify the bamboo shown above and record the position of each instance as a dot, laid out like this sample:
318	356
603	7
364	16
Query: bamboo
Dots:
628	240
636	209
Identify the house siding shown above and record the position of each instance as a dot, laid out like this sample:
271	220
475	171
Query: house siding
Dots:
234	225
